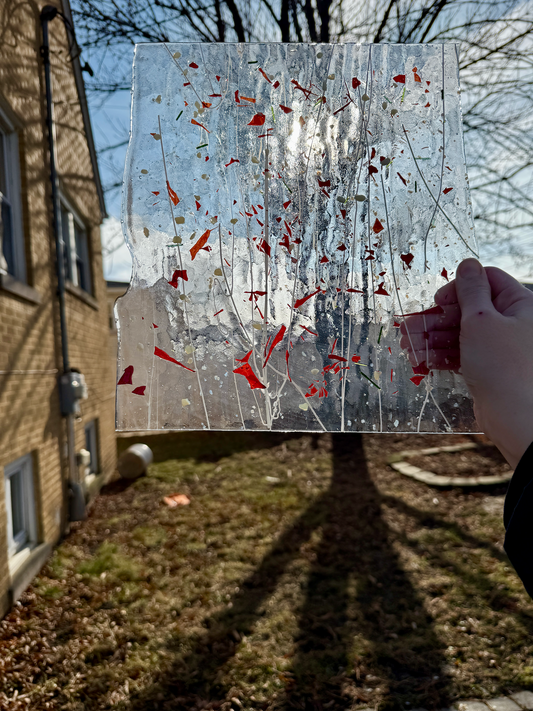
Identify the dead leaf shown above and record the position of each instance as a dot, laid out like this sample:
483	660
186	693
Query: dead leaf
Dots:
175	500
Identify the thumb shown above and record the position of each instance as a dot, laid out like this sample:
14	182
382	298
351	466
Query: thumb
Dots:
473	288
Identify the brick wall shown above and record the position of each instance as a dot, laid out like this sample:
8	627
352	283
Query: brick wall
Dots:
30	353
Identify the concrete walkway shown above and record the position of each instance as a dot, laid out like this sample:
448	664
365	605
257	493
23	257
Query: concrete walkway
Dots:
520	701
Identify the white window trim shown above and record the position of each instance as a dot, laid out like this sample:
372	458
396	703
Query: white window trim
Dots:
13	196
17	545
71	247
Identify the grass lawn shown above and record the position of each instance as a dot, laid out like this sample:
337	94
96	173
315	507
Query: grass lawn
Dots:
304	574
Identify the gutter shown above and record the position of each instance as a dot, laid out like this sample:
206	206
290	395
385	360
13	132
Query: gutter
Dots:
80	86
69	382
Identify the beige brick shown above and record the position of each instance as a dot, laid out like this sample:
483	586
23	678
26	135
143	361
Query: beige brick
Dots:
29	337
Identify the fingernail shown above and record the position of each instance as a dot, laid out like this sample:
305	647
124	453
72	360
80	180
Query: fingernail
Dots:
469	269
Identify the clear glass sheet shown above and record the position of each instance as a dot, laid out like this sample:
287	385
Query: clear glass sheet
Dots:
285	205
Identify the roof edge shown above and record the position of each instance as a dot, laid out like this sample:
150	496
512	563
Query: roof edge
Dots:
80	86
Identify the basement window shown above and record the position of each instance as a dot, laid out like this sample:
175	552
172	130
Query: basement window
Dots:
91	444
20	505
75	248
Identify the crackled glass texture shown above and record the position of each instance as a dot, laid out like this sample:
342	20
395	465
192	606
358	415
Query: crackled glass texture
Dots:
286	205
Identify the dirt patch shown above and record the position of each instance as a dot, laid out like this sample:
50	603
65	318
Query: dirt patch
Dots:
304	574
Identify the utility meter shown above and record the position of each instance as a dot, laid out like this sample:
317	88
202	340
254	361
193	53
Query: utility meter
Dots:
72	389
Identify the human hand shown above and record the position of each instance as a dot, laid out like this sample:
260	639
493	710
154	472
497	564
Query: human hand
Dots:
483	325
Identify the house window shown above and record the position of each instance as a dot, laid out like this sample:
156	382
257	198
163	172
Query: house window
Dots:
20	504
75	249
12	252
91	445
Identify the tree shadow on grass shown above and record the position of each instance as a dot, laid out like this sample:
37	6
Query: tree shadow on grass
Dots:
203	446
360	611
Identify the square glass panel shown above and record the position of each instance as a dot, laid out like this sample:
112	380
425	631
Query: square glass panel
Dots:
286	205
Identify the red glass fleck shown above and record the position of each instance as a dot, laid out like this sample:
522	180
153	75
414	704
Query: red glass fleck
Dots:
277	339
140	390
126	377
399	78
300	302
263	246
378	227
200	244
258	120
407	259
164	356
381	290
264	74
421	368
251	377
172	195
197	123
178	274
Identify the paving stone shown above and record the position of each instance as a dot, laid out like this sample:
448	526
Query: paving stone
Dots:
471	706
523	699
502	703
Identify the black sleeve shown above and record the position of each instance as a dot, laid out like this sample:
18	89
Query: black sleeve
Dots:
518	520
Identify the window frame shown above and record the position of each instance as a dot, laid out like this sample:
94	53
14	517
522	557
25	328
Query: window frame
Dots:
91	436
73	260
9	135
28	536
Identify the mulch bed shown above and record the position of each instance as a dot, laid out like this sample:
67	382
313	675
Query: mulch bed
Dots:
484	461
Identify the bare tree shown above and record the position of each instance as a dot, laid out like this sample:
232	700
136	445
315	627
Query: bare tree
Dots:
496	65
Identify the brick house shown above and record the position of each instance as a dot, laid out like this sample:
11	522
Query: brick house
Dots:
38	445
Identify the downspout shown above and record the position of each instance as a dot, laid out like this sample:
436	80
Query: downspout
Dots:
77	501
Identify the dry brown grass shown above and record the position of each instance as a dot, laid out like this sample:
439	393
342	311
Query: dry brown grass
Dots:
341	585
